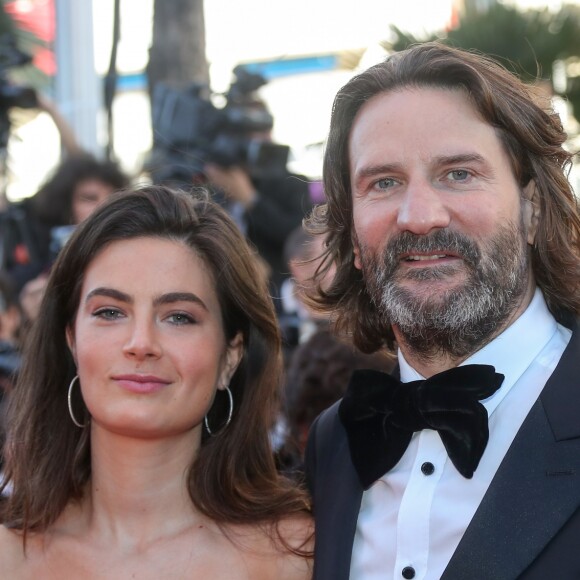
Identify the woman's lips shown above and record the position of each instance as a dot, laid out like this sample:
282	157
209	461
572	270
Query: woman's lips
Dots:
141	383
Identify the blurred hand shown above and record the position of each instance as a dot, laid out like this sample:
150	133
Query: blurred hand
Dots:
233	181
31	296
45	103
67	136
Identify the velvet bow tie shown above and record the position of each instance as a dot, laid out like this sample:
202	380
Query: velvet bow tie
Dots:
380	415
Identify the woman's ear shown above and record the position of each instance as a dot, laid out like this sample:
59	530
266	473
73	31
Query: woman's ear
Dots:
531	210
233	357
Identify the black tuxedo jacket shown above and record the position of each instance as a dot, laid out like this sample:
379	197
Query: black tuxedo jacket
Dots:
528	523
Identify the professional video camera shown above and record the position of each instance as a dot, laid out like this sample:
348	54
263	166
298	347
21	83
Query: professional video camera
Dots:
12	95
16	245
189	131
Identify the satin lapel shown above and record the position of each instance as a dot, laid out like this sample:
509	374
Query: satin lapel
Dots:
337	499
536	488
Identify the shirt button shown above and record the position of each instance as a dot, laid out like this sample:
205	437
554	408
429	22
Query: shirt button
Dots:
427	468
408	572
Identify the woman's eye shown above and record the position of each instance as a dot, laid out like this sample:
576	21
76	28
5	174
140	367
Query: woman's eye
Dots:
108	314
180	318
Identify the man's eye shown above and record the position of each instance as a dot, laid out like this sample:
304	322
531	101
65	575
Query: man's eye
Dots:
385	183
459	175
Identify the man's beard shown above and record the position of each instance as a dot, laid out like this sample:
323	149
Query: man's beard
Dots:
460	320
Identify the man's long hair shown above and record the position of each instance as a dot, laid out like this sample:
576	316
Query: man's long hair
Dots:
533	138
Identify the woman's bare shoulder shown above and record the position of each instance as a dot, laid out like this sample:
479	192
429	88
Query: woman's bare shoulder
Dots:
11	553
297	536
297	532
285	550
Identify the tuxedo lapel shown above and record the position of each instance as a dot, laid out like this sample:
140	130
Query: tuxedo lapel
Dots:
536	489
337	497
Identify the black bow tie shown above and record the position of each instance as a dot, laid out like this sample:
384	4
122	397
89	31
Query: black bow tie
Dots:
380	415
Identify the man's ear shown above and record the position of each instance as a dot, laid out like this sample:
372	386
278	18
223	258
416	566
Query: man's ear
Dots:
233	357
356	251
70	340
531	209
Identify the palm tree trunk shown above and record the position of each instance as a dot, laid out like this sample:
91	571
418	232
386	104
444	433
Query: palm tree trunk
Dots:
177	53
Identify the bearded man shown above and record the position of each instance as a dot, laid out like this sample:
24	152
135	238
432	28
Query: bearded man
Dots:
455	236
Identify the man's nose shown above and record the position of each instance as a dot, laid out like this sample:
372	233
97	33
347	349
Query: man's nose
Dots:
422	208
143	341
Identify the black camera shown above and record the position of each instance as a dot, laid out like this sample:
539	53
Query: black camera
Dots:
190	131
12	95
17	245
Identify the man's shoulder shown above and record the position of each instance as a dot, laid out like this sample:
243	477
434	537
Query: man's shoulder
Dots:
568	319
327	422
325	434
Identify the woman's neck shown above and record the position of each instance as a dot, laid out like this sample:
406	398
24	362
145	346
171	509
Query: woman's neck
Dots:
138	490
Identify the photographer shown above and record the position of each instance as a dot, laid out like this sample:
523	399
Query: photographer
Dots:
33	230
76	188
270	208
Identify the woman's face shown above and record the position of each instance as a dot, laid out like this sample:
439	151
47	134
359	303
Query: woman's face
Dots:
87	196
148	339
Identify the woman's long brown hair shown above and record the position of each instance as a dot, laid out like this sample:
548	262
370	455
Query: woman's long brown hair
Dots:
233	478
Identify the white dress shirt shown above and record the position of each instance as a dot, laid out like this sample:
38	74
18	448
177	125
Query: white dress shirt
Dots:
412	519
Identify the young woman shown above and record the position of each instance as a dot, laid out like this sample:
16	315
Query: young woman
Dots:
138	431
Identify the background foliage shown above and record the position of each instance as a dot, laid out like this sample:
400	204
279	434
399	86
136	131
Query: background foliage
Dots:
527	42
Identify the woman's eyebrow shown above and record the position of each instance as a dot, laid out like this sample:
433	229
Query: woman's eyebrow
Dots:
168	298
109	293
171	297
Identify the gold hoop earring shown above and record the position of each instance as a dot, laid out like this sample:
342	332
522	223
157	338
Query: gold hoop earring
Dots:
70	409
230	413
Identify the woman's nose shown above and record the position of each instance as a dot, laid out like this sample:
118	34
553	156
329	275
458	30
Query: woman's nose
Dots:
143	341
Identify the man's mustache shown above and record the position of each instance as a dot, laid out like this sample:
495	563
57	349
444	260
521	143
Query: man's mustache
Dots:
440	242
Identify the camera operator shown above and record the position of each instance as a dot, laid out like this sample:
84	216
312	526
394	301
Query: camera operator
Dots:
269	208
